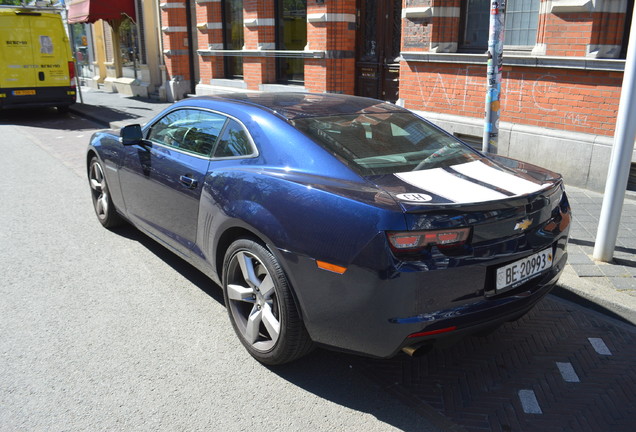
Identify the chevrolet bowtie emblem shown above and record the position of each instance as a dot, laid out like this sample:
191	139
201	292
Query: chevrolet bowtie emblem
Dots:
523	225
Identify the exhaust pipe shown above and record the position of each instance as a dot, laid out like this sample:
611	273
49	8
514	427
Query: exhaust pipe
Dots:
417	350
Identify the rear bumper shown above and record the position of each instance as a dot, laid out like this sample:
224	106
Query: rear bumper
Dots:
43	97
373	312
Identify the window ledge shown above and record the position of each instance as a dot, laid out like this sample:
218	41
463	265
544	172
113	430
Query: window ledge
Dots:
282	88
519	60
262	53
417	12
227	82
568	6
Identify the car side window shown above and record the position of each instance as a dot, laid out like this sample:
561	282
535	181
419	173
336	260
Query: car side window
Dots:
190	130
234	142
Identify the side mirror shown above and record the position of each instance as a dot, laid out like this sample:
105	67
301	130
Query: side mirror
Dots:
130	135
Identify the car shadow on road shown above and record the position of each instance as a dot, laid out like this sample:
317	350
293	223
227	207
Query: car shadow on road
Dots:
46	118
330	375
191	273
571	296
343	379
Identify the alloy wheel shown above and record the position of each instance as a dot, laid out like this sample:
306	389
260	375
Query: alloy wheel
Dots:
99	190
253	301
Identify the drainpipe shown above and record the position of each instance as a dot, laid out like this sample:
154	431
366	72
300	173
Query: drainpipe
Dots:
190	44
78	84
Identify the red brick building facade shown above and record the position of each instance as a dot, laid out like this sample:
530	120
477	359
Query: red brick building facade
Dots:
563	64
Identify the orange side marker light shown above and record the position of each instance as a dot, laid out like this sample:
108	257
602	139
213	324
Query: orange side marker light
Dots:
331	267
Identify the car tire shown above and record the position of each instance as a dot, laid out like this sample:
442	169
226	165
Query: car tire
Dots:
260	305
102	202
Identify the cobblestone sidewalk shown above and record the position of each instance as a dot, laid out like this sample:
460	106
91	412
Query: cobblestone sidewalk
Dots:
586	208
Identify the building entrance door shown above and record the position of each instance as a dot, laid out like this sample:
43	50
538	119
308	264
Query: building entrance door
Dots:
378	49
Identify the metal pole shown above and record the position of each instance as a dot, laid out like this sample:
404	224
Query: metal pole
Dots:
620	160
78	85
495	66
136	40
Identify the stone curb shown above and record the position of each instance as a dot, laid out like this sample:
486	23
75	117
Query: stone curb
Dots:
596	293
78	109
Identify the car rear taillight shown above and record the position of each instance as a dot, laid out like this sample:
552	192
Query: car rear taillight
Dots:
71	73
411	241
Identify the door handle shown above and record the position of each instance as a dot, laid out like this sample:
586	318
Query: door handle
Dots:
190	183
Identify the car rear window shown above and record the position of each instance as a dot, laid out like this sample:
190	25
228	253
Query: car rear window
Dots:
387	143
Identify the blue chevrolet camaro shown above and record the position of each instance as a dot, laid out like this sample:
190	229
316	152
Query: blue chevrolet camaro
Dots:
336	220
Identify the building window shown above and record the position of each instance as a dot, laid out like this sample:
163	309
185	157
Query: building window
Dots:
141	27
81	41
627	28
475	18
129	47
522	17
233	36
291	35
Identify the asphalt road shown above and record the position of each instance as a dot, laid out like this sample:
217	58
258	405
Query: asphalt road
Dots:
104	330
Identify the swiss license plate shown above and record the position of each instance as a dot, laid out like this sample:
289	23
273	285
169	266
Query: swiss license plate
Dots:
518	272
23	92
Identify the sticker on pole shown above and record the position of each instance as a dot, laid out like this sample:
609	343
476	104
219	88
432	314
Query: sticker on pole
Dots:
414	197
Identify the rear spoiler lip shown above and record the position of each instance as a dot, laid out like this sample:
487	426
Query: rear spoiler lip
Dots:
553	186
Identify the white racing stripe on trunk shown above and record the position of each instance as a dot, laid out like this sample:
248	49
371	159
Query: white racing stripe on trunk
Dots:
501	179
449	186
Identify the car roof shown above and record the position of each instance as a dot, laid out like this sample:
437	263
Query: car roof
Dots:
294	105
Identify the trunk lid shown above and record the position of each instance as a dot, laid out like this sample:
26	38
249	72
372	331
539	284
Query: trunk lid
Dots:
498	197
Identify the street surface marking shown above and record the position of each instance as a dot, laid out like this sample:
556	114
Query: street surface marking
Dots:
599	346
567	372
529	402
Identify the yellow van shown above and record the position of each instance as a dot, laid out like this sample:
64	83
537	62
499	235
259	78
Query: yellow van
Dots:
36	64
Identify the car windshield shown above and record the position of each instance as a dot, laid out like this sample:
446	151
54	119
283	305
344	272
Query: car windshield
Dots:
386	143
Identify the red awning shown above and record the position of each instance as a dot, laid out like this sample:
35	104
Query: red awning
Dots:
89	11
